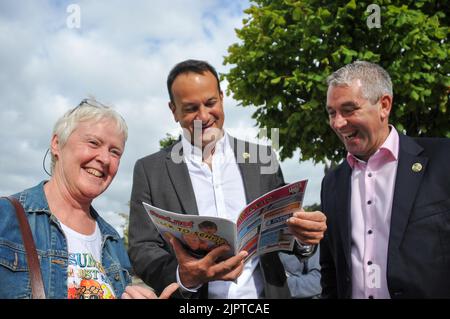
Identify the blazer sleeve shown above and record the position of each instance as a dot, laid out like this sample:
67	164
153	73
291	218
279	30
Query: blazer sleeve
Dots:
327	266
149	252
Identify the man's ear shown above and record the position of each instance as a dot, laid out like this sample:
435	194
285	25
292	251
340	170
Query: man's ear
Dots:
173	108
386	106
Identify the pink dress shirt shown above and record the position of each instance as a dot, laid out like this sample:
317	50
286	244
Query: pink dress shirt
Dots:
372	191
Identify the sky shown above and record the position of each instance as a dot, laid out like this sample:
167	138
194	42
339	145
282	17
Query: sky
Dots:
55	53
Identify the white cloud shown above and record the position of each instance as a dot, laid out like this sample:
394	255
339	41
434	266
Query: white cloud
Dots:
121	54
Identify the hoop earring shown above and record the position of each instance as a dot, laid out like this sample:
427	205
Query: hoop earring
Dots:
43	162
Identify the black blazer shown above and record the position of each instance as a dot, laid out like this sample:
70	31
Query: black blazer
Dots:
418	257
159	181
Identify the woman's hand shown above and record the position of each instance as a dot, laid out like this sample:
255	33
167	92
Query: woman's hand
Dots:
138	292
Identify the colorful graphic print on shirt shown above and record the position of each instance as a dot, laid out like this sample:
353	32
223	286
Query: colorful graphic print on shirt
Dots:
87	278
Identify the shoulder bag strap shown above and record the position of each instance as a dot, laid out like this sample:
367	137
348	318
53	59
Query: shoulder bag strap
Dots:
37	286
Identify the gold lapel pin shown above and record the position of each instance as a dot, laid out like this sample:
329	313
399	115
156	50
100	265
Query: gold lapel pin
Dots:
246	155
417	167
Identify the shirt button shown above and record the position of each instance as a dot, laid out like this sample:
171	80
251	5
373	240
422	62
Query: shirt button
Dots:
370	174
370	231
369	263
370	297
369	202
117	277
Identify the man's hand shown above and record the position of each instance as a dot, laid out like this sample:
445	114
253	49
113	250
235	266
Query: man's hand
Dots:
194	272
137	292
307	227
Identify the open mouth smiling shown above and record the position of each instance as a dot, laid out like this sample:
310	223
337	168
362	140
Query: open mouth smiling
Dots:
94	172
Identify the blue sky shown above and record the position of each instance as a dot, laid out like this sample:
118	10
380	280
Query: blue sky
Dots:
121	54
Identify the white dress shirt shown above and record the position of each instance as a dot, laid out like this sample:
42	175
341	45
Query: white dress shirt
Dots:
220	192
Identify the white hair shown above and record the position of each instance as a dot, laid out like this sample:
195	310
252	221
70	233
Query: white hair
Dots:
87	110
375	81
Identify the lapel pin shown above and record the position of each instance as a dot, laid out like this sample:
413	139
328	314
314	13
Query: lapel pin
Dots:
246	155
417	167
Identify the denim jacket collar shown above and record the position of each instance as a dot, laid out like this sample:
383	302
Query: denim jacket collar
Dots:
33	201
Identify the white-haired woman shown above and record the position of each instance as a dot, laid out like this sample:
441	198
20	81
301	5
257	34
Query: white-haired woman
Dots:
81	256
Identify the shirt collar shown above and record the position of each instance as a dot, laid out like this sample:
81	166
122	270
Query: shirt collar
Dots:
388	150
34	200
194	153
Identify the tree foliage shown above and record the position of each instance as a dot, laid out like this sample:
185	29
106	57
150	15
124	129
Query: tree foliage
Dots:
288	48
168	141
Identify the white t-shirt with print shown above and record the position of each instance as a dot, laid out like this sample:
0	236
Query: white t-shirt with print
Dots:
86	278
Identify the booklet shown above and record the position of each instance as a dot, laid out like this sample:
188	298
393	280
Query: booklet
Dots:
260	228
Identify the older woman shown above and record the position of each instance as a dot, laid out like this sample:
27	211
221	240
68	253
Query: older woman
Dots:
81	256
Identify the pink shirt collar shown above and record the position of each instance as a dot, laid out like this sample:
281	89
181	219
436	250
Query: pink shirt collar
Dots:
387	152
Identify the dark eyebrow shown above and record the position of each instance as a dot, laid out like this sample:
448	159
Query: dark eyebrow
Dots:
346	103
212	99
350	104
189	104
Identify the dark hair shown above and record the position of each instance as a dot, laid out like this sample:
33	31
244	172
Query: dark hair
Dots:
207	224
196	66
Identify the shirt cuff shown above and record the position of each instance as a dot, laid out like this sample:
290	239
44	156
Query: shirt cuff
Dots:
191	290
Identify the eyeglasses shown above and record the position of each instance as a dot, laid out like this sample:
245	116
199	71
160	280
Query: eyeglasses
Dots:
88	101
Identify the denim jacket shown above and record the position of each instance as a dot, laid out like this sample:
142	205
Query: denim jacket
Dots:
51	247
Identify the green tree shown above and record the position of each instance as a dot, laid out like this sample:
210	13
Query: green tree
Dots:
168	141
312	207
288	48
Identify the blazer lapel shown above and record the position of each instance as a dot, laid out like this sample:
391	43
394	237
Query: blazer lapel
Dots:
181	181
250	178
248	168
410	171
342	200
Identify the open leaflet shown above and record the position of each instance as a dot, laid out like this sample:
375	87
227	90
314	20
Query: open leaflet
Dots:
260	228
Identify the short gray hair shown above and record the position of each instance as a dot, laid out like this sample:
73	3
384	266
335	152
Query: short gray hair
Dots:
88	110
374	79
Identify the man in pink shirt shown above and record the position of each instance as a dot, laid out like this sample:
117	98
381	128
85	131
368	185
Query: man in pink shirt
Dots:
388	203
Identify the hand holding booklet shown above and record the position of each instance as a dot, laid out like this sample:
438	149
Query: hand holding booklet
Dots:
260	228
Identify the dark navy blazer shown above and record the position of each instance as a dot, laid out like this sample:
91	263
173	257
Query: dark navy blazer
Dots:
418	257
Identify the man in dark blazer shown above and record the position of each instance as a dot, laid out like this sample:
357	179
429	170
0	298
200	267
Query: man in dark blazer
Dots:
388	203
171	180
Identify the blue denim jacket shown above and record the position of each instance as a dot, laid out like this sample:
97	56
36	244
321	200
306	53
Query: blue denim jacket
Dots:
51	246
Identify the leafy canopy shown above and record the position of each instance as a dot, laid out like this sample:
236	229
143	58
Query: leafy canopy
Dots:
288	48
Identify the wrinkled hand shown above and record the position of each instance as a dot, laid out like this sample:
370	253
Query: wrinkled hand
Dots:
307	227
137	292
194	272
